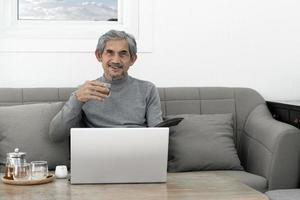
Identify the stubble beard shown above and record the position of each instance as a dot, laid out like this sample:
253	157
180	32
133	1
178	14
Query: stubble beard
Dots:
117	77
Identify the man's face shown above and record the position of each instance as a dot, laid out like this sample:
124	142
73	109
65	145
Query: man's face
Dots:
115	59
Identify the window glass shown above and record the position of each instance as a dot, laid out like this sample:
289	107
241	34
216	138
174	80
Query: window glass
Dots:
79	10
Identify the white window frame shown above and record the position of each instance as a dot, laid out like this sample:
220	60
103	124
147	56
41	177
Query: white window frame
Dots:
135	17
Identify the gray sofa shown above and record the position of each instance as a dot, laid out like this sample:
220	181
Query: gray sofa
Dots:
268	149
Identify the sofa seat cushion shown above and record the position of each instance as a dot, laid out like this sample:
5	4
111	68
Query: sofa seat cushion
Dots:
289	194
256	182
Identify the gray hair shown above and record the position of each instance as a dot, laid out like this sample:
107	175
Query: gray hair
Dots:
117	35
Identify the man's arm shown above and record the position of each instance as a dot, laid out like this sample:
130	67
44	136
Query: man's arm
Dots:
153	111
68	117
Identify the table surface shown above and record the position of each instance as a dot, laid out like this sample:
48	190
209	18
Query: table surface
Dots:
180	186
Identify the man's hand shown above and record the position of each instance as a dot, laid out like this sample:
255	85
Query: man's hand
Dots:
92	90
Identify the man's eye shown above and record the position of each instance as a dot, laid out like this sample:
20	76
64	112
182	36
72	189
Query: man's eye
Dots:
122	54
109	52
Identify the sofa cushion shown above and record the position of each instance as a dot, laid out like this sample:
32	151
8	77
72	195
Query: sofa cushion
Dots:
256	182
202	142
287	194
27	127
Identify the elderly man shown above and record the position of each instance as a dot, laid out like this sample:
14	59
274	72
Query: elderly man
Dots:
129	102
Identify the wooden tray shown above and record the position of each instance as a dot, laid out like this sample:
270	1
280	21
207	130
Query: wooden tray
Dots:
49	179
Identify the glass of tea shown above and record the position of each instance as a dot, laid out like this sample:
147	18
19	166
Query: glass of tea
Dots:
21	172
108	86
39	170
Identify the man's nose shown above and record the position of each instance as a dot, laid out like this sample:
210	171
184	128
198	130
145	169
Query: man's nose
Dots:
116	59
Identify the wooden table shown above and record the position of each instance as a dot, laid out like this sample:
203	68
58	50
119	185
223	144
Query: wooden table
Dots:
180	186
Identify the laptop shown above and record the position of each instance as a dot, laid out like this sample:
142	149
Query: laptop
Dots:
119	155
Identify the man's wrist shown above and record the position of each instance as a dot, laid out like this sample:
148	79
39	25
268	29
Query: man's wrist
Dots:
75	100
76	95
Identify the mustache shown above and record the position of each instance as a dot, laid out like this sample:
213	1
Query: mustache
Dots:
116	65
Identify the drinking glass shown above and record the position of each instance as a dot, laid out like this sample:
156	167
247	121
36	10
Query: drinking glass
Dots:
21	172
108	86
39	170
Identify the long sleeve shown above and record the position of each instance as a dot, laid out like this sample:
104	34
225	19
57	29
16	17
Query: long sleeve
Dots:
68	117
153	112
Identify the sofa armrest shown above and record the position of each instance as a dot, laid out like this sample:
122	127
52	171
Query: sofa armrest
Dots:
273	149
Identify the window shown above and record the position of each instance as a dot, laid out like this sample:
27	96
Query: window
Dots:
80	10
24	32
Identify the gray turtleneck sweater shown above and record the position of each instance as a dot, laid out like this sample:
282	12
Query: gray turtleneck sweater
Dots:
132	103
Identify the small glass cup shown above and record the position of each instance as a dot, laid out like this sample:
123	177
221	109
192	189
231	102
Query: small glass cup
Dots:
108	86
21	172
39	170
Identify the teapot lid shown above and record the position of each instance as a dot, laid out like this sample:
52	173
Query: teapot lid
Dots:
16	154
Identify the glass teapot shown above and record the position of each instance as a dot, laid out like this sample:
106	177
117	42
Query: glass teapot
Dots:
13	159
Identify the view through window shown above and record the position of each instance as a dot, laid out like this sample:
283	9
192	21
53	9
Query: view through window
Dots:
75	10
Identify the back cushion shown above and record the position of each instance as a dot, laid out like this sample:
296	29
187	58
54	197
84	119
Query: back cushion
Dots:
27	127
202	142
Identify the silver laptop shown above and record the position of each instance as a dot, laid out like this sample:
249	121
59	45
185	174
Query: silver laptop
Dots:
119	155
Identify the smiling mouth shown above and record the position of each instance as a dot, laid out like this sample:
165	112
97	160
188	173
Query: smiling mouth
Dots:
116	66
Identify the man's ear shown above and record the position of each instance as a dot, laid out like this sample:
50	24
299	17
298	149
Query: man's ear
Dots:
133	59
98	55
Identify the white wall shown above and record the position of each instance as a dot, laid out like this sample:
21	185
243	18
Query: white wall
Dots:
250	43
